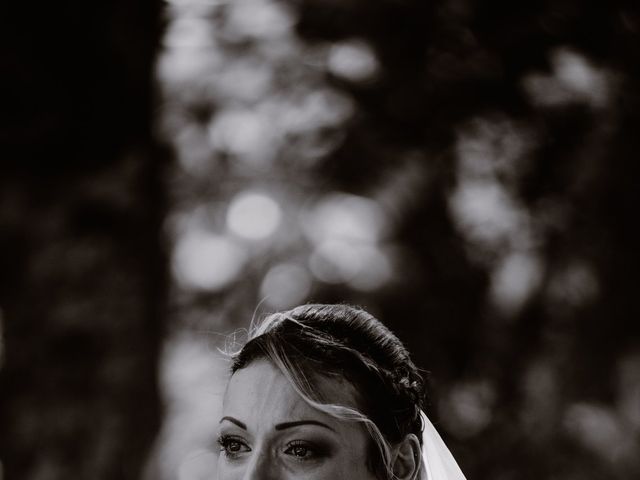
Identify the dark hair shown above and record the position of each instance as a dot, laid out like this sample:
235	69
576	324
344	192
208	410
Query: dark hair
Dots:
348	343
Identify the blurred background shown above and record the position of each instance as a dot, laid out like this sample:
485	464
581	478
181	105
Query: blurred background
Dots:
465	170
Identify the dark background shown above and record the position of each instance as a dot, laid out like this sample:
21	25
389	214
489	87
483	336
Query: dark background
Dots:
540	384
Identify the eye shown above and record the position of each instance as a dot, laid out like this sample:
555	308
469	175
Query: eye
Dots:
232	446
301	450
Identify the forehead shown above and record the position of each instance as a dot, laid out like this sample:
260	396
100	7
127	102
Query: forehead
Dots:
261	393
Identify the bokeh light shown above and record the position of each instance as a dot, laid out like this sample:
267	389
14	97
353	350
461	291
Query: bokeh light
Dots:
206	261
598	429
285	285
487	214
514	280
340	216
468	408
574	285
573	80
259	19
245	134
353	60
253	215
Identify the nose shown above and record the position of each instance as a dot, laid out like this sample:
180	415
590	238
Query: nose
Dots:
261	466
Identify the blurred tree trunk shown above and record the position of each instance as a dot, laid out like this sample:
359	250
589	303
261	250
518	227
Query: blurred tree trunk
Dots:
82	279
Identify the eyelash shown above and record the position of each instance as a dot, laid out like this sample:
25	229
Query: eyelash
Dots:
311	452
225	442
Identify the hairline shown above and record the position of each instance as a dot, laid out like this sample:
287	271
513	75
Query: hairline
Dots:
378	443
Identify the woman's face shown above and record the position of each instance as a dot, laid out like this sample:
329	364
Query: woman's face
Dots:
267	431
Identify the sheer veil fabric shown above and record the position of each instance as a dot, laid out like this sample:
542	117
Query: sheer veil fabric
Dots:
437	461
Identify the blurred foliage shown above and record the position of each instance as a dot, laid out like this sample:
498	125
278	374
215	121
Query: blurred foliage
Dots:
462	169
465	170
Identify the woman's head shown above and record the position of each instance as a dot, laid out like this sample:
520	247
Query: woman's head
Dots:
340	362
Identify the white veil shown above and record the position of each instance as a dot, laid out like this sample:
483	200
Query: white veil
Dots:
437	461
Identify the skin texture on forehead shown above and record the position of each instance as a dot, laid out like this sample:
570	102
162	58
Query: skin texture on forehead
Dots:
268	431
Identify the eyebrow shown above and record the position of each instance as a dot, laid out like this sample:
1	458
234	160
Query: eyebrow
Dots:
285	425
234	420
280	426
